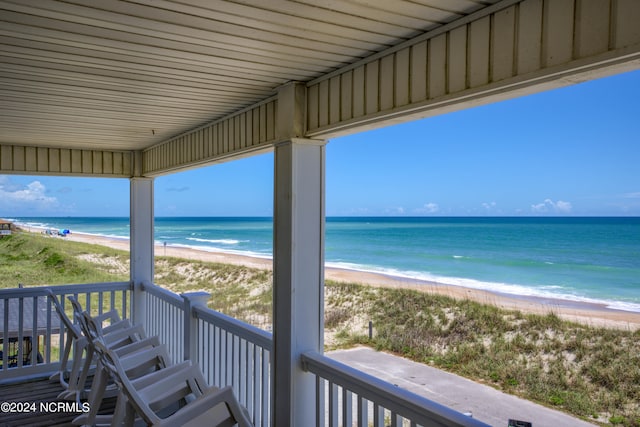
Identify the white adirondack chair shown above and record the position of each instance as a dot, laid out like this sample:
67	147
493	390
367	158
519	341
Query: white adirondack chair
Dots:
126	341
174	397
73	381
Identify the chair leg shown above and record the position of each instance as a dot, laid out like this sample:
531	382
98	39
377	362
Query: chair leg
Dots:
61	374
125	414
79	372
98	387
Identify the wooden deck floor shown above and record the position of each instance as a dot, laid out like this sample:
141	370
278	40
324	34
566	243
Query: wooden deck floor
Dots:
40	391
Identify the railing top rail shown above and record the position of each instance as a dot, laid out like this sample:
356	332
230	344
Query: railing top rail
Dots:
64	289
405	403
163	294
249	332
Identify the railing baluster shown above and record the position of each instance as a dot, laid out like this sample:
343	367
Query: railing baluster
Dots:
396	420
101	303
47	341
179	333
200	347
5	334
242	370
87	303
259	405
377	418
266	388
333	404
234	366
210	352
215	356
363	412
251	376
223	356
124	303
347	408
61	335
230	342
320	399
170	330
20	331
35	341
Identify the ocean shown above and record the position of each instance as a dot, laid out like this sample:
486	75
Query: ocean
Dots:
577	259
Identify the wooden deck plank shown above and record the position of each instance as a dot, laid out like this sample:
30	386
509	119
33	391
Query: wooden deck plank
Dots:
39	391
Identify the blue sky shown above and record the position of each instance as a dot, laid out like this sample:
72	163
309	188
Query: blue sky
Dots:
573	151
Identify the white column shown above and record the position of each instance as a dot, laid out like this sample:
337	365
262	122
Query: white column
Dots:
142	242
298	270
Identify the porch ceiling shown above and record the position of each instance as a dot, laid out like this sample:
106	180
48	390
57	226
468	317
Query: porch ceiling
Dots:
125	75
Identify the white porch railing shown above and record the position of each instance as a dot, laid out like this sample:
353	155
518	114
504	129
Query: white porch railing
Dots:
231	352
348	397
163	316
31	333
228	351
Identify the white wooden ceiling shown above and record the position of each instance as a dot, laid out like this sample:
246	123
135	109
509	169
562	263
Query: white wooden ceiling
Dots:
125	75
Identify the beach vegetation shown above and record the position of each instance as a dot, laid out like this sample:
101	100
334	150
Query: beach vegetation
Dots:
588	371
242	292
32	260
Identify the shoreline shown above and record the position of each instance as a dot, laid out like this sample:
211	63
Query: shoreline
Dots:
593	314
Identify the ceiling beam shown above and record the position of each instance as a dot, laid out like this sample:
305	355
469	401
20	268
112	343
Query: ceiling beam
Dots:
508	50
27	160
245	132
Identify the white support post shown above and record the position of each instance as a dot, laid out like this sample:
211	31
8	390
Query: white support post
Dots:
298	277
141	243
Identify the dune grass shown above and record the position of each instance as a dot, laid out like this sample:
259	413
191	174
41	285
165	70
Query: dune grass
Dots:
241	292
590	372
31	259
586	371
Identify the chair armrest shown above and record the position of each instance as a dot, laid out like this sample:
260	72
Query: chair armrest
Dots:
144	359
135	346
112	316
120	324
217	405
152	378
123	334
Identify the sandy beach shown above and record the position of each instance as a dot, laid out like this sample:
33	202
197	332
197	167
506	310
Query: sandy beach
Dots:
592	314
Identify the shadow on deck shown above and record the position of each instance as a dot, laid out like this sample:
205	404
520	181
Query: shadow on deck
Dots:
39	405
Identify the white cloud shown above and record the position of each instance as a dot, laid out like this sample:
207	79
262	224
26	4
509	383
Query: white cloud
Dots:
428	208
395	211
635	195
489	206
549	206
564	207
31	198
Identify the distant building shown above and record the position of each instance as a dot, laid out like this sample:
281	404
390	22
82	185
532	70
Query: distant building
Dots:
5	228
